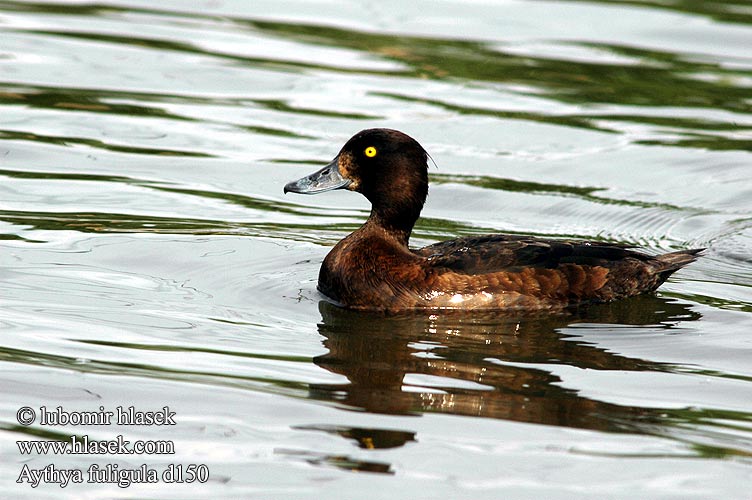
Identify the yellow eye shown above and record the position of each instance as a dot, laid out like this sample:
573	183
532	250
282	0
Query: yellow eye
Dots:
370	151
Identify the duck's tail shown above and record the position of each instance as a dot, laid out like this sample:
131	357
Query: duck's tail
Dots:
669	263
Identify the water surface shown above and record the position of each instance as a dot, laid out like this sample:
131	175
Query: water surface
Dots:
148	256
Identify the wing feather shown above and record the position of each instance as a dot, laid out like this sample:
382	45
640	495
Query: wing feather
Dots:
502	252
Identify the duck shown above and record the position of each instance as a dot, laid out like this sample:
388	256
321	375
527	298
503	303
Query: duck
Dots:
374	268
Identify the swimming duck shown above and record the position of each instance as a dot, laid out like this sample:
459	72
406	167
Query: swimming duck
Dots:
374	269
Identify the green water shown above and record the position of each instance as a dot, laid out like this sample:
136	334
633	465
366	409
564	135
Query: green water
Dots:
149	258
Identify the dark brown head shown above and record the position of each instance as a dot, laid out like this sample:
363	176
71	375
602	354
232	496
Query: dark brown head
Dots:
388	167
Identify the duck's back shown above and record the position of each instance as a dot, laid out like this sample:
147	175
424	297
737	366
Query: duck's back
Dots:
508	271
496	272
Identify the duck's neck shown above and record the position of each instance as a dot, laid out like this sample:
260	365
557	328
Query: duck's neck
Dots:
398	225
397	203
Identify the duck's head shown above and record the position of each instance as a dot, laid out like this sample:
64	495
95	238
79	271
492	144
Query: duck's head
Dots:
386	166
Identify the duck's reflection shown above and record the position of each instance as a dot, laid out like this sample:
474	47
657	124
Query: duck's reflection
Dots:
468	364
